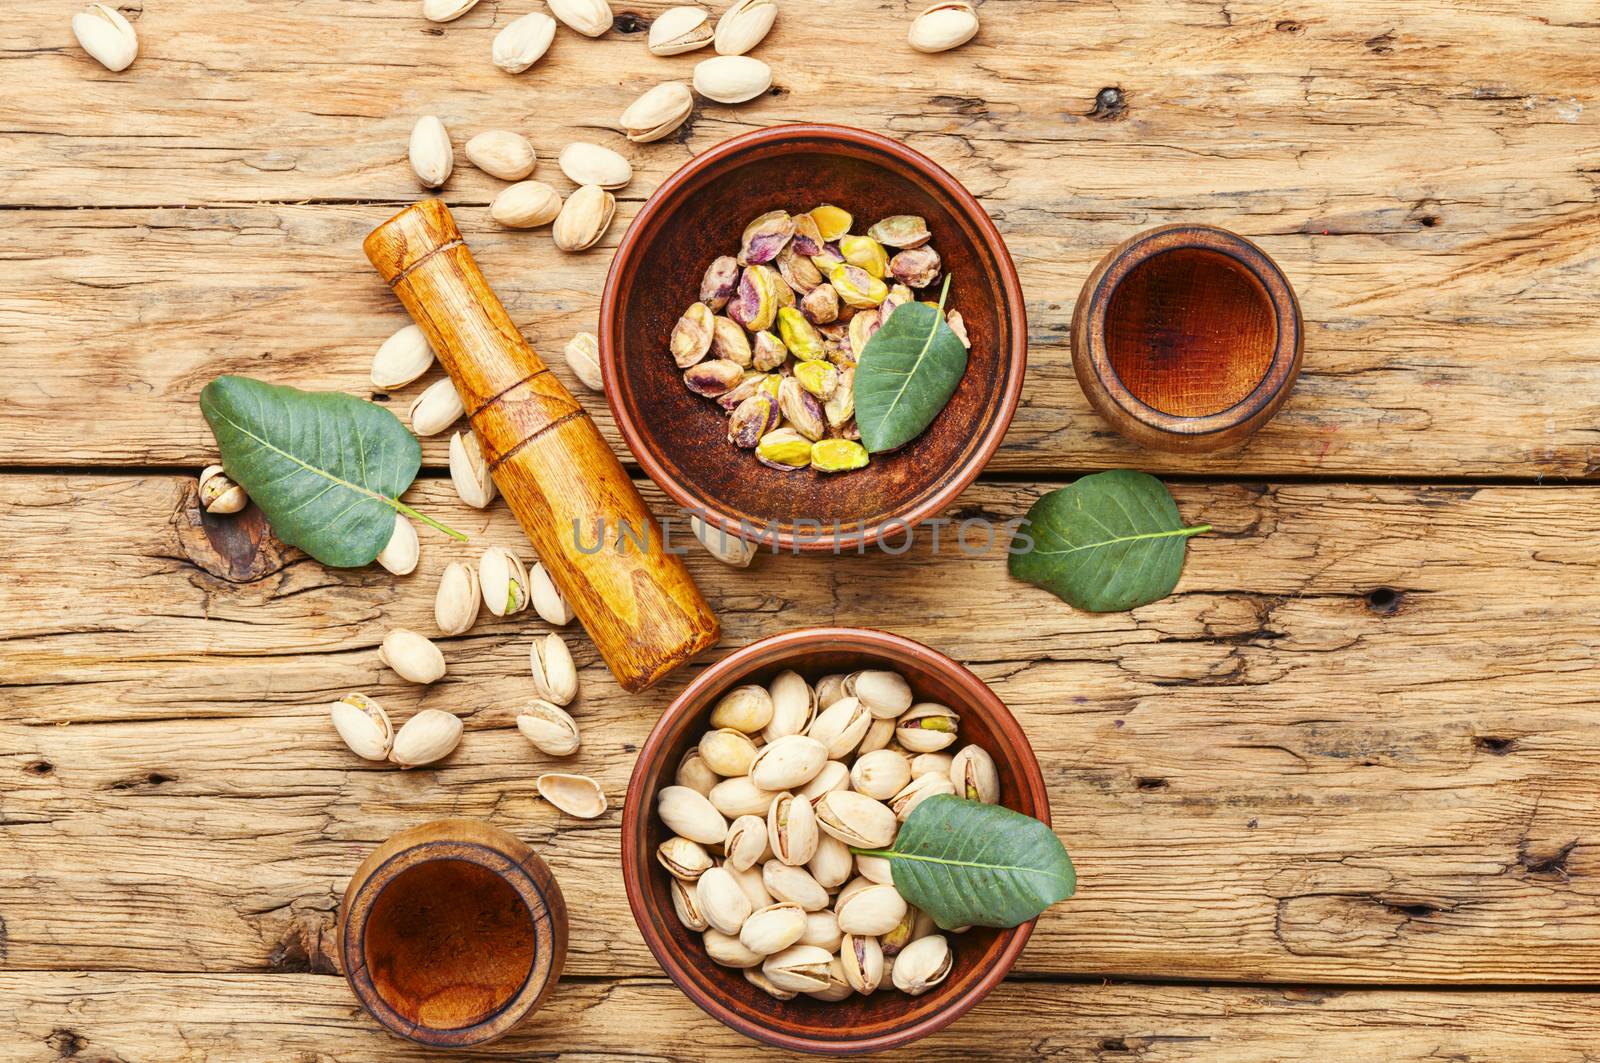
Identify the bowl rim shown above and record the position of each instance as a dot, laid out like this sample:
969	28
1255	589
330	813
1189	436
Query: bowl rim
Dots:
1013	308
635	818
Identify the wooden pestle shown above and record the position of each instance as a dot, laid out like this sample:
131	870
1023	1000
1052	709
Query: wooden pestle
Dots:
640	607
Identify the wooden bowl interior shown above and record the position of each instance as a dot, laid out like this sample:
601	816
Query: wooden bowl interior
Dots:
448	944
680	235
1191	331
850	1024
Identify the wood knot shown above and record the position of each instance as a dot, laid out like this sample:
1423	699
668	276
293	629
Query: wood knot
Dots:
1384	601
1110	105
1289	25
65	1042
628	22
239	548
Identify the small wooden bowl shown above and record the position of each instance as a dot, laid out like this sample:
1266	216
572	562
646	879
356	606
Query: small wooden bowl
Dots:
697	214
1187	338
451	932
887	1018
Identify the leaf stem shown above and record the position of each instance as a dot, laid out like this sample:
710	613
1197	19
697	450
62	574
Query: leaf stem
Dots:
944	292
1198	529
424	518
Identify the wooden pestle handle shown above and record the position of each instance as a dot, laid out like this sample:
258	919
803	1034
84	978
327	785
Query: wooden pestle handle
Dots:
548	459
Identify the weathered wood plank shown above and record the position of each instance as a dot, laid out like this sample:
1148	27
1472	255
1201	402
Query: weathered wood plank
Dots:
1448	302
310	1019
1275	774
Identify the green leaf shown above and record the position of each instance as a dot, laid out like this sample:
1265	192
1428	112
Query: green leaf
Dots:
327	469
1108	543
966	863
906	374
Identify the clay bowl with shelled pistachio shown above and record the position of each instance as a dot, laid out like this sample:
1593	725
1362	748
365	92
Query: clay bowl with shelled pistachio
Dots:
886	1018
697	215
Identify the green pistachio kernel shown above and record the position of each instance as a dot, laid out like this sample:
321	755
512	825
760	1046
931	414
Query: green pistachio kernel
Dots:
857	287
865	252
819	378
838	455
799	335
784	449
832	222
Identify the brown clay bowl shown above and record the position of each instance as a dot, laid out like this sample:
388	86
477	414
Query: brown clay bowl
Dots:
857	1024
697	214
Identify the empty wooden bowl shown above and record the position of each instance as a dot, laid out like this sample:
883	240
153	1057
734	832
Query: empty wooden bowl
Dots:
451	932
698	214
1187	338
856	1024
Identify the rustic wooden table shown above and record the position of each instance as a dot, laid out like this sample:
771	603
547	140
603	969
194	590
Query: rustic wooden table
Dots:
1335	798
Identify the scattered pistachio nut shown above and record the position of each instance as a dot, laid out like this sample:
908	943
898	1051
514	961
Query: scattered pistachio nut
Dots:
523	42
583	358
548	601
446	10
469	470
729	549
456	604
743	25
503	581
732	78
402	358
400	554
526	205
412	657
432	157
363	725
107	36
437	408
943	26
680	29
589	17
429	736
550	728
555	675
591	164
218	493
658	112
584	218
576	795
502	153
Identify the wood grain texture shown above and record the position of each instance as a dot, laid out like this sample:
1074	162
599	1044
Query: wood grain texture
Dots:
1353	746
303	1018
1423	172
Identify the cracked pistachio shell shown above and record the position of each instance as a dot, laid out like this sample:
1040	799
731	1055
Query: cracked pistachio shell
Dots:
819	378
218	493
878	736
792	829
446	10
732	78
831	221
432	157
742	26
880	774
107	36
501	153
958	325
765	237
862	959
591	164
795	884
755	302
726	949
523	42
584	218
926	727
822	930
784	449
729	549
799	335
773	928
901	231
871	910
469	471
548	601
830	688
794	705
402	358
942	27
841	404
437	408
720	281
526	205
746	844
400	554
904	932
657	113
576	795
768	352
589	17
787	762
876	869
756	978
797	270
686	903
722	900
746	708
841	726
684	859
692	335
833	776
856	819
803	411
865	252
363	725
917	268
727	752
430	735
678	30
807	236
974	775
821	304
798	969
862	328
694	774
740	797
555	676
919	790
922	965
455	606
886	694
750	881
412	657
857	287
926	763
549	728
752	419
713	378
729	341
503	581
583	358
832	863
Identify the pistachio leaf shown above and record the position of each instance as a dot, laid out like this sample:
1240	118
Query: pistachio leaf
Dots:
906	374
966	863
1110	542
327	469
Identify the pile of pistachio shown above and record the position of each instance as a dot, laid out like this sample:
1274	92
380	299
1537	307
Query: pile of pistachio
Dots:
765	812
777	332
